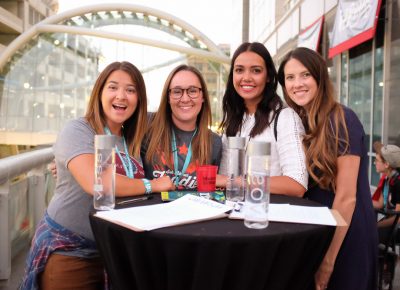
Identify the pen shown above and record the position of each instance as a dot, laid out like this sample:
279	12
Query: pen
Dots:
134	199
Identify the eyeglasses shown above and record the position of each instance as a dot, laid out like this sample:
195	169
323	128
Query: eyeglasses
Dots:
177	93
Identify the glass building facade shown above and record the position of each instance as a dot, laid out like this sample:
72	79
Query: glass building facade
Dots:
47	83
48	79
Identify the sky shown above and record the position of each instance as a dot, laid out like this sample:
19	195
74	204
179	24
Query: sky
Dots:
211	17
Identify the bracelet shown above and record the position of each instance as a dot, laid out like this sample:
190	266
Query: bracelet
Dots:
147	185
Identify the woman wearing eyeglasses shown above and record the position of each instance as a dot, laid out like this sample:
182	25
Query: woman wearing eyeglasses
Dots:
179	138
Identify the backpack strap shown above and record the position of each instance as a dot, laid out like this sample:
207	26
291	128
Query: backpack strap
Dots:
276	124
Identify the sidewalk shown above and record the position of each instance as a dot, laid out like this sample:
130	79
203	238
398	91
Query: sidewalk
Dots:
17	271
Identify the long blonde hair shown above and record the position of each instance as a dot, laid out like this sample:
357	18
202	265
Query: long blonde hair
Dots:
162	124
326	135
135	126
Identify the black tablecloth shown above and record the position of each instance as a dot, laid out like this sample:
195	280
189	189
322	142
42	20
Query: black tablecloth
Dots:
216	254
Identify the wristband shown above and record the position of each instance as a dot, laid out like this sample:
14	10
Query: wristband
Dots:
147	185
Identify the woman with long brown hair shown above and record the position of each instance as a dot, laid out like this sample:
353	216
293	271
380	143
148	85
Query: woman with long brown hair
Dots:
179	137
63	254
337	162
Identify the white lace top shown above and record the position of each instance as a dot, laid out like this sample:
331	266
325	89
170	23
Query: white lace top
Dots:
287	154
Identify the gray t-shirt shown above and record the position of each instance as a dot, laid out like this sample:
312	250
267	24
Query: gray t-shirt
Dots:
188	180
70	205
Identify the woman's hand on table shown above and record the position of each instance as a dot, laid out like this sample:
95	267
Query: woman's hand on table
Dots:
221	181
323	275
163	183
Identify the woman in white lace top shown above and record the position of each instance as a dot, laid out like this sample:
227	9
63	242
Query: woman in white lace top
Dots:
250	105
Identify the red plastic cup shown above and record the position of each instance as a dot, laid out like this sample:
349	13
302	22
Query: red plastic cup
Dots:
206	178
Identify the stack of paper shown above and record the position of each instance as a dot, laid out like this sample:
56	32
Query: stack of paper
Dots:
295	214
187	209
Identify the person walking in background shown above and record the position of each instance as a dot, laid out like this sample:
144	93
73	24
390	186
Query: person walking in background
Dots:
387	162
179	137
63	254
337	163
252	109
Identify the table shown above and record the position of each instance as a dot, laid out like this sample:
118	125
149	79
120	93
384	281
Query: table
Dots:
214	254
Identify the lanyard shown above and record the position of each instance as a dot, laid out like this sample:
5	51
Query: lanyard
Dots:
175	154
126	162
385	192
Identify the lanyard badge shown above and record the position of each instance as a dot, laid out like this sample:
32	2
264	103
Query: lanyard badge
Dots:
175	155
126	162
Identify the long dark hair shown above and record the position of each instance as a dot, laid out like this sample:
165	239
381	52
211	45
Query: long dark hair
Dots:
233	105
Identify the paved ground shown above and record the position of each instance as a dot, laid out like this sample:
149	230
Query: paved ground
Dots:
19	262
17	271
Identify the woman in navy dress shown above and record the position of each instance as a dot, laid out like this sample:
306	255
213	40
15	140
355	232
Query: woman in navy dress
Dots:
337	164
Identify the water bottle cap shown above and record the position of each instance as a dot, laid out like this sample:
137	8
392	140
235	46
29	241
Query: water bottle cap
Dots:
104	141
258	148
236	142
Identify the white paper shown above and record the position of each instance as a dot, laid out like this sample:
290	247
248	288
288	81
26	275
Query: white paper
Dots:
294	214
187	209
302	214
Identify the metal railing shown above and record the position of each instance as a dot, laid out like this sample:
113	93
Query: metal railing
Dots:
25	185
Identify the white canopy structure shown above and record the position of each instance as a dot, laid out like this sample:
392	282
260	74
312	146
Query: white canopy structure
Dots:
47	72
85	19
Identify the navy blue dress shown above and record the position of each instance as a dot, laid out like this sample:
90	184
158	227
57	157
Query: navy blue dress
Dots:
356	263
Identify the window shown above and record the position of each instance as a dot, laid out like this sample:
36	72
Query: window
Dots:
361	89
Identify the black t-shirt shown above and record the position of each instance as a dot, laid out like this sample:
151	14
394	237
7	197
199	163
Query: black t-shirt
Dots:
188	180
